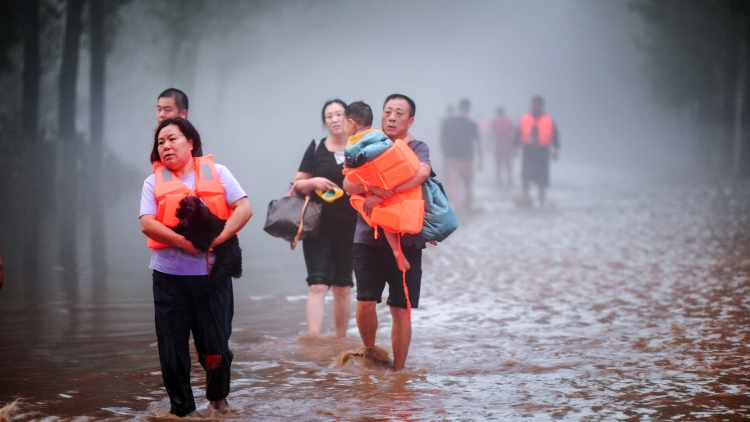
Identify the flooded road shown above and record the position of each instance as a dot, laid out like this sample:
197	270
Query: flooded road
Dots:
629	299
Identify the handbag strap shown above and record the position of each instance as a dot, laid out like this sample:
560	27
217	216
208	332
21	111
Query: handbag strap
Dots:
301	223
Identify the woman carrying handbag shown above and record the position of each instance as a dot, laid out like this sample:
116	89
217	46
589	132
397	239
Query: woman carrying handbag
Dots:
328	256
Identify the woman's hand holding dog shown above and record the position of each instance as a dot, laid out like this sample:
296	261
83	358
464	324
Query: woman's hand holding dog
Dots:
241	213
188	247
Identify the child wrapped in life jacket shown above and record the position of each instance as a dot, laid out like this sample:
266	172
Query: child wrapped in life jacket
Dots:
375	161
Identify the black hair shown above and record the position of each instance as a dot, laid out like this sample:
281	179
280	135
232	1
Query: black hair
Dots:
325	106
180	99
537	98
412	106
464	104
186	128
360	113
500	110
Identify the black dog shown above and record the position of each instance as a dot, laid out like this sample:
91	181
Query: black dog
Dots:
201	227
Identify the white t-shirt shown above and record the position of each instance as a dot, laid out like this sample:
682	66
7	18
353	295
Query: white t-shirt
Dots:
175	261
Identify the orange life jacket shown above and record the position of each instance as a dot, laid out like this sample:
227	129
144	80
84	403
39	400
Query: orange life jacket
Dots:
545	129
169	191
393	167
401	213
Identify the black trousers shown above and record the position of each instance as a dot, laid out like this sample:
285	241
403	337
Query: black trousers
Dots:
189	303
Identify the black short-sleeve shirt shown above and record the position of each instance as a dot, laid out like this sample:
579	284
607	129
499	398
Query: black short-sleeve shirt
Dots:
322	163
459	134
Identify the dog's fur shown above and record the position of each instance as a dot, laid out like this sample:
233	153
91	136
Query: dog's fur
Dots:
201	227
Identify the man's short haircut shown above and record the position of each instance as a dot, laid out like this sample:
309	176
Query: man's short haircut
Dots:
537	98
464	104
360	113
180	99
412	106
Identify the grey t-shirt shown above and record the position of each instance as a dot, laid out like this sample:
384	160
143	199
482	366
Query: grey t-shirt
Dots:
366	234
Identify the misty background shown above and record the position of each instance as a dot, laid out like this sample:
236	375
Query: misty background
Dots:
258	72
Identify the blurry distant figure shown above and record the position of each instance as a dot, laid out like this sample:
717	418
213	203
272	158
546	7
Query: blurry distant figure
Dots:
171	103
460	135
538	134
501	130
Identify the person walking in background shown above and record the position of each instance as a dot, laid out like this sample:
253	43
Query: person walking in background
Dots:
538	135
184	300
501	130
329	256
459	138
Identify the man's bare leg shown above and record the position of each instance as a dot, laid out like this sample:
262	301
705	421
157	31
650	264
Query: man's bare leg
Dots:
453	189
509	169
526	187
400	337
316	297
542	196
367	322
342	309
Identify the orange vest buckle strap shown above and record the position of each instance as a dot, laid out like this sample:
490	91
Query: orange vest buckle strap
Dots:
393	167
544	125
169	191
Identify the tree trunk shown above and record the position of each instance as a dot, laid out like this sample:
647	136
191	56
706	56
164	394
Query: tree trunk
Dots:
67	168
96	151
32	145
739	95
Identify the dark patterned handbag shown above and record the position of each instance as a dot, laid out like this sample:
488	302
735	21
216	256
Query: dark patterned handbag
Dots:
293	218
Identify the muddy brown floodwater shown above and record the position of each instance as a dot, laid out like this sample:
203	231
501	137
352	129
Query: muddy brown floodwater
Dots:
629	299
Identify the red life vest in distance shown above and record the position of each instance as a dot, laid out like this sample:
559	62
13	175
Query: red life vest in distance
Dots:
544	125
169	191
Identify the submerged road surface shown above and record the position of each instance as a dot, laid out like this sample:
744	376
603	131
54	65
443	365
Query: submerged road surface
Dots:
628	299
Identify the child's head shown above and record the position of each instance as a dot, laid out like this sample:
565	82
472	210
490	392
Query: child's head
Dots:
358	116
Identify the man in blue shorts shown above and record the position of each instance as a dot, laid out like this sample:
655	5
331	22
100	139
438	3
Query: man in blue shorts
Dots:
374	264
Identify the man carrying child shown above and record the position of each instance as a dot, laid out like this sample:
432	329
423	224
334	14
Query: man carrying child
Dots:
374	263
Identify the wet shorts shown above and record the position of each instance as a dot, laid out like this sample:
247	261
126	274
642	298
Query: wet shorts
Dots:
375	266
329	258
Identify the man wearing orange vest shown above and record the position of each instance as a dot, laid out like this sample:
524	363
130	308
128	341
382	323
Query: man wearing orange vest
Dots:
537	133
374	265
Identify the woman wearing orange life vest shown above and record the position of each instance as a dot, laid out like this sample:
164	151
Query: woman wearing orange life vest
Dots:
537	133
183	299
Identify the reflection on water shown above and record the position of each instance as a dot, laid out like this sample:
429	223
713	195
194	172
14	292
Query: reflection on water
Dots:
627	300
